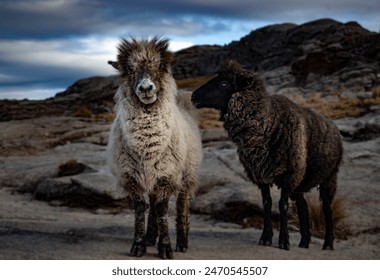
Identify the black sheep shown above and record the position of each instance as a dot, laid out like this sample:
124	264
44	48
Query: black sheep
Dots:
279	143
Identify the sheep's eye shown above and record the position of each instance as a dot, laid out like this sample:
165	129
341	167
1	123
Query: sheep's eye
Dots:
224	84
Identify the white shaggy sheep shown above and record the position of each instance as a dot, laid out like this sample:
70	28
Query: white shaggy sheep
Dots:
154	145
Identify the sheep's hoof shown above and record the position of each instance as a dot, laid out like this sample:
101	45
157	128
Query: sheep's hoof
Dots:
181	248
304	243
266	237
165	250
138	249
328	247
181	245
264	242
284	245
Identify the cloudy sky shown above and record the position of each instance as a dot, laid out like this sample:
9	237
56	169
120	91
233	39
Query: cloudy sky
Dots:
46	45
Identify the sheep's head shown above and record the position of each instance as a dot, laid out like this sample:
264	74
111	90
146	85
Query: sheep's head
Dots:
143	64
216	93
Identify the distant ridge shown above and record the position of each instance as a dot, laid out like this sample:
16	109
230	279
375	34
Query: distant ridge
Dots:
317	48
322	55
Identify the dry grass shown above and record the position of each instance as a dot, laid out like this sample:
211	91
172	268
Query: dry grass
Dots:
249	215
340	108
376	92
71	167
83	112
209	118
317	220
192	82
109	117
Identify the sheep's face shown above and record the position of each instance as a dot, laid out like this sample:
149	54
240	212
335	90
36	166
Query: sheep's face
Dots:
216	93
142	65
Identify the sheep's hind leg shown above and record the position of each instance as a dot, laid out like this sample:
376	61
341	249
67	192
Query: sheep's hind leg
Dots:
327	192
182	221
164	245
283	240
138	247
303	218
266	237
152	229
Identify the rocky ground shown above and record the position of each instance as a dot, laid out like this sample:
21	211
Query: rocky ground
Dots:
58	200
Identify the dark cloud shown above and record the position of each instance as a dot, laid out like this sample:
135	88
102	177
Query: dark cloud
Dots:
58	18
52	43
25	74
50	19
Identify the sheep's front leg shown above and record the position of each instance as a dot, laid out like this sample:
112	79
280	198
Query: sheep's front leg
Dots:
164	245
152	230
283	240
266	237
182	221
138	247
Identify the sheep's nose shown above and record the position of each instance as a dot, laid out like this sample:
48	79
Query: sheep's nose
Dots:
145	87
194	100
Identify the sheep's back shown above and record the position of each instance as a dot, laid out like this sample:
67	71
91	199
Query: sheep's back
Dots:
276	137
322	141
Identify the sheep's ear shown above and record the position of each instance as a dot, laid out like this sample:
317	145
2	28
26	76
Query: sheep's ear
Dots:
166	55
125	49
167	58
114	64
246	81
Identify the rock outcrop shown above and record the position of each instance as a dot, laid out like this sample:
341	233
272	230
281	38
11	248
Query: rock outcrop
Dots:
319	55
86	96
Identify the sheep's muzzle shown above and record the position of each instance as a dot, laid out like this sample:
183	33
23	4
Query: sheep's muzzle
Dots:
146	90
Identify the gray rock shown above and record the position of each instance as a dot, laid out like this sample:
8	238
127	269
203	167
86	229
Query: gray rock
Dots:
218	168
26	172
86	186
366	127
214	134
333	98
360	94
216	201
358	184
278	77
291	92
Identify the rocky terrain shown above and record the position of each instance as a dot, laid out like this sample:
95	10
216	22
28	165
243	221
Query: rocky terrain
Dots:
59	201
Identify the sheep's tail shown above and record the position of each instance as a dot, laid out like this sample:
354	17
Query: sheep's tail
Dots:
184	101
